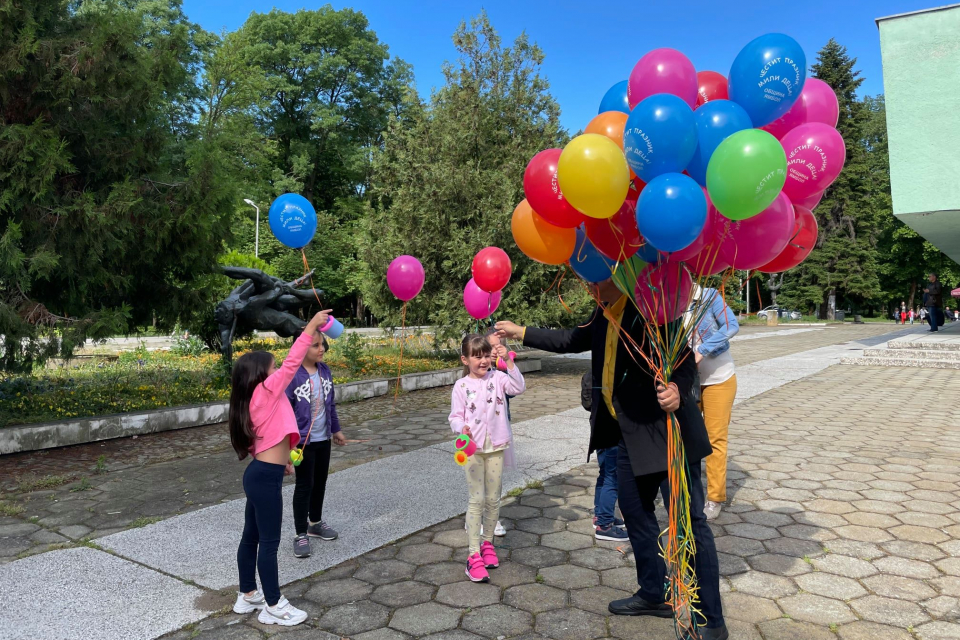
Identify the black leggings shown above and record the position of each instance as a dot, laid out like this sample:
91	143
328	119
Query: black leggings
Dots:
311	484
262	482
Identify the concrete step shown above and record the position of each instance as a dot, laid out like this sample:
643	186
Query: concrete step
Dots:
927	344
916	354
867	361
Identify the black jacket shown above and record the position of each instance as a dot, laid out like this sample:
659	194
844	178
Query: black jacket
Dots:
934	295
640	420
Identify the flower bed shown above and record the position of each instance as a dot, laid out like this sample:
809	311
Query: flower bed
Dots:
142	380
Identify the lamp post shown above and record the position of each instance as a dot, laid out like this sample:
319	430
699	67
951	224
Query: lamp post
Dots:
256	242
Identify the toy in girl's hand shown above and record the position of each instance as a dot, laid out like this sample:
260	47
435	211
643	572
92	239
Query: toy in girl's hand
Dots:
296	457
502	364
465	448
333	329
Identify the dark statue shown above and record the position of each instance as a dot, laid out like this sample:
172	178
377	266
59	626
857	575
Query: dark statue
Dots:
264	303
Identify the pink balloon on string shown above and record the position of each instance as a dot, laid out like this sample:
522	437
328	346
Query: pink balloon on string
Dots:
815	155
663	292
663	71
752	243
820	102
405	277
478	303
810	202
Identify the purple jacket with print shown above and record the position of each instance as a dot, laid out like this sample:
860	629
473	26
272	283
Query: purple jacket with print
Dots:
298	393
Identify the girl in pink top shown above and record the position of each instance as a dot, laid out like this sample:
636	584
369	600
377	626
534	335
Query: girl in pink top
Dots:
479	410
262	424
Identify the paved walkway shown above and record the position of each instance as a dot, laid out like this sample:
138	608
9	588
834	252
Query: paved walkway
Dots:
797	426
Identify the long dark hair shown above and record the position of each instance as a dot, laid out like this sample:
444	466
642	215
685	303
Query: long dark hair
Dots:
474	344
249	370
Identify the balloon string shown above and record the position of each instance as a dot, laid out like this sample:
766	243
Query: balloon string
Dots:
306	272
403	327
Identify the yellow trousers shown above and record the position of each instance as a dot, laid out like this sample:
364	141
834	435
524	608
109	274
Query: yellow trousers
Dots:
484	482
716	401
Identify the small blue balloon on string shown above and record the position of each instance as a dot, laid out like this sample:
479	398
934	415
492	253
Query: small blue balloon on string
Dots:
293	220
615	99
587	262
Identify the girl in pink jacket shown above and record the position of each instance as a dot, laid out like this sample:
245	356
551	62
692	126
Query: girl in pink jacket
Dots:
479	411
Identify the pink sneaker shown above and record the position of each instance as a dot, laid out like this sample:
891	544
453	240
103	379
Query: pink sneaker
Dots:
489	555
475	569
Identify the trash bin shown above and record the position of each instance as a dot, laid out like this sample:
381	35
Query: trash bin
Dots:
840	316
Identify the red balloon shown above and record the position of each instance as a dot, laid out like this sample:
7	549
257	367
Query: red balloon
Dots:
710	86
543	191
800	245
492	269
616	237
752	243
636	186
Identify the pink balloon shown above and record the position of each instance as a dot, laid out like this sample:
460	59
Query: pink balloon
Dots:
815	156
820	102
796	116
664	292
478	303
663	71
752	243
405	277
810	202
706	237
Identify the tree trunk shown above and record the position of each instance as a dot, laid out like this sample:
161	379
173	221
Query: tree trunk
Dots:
913	292
360	309
832	305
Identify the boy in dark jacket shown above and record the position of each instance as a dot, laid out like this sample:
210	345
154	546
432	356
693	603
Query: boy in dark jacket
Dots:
312	396
605	523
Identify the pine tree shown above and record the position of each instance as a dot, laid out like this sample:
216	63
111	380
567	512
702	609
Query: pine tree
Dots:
450	177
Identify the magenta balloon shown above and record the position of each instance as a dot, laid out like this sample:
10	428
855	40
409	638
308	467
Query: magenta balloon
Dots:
820	102
663	71
810	202
752	243
815	156
663	292
478	303
405	277
796	116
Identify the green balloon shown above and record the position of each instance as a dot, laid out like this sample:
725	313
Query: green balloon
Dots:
746	173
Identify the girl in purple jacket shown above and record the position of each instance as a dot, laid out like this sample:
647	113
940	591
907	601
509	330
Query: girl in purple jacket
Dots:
312	396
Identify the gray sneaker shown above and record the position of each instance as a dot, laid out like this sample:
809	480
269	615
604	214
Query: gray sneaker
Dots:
301	546
322	531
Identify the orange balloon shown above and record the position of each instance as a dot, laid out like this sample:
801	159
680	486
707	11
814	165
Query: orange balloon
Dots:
540	240
610	124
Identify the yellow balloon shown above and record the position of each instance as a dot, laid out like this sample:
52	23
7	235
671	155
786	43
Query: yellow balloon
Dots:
593	175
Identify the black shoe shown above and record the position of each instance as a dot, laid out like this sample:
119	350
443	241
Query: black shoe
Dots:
637	606
715	633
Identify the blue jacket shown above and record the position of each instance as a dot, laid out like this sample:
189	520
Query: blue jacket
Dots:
298	393
717	326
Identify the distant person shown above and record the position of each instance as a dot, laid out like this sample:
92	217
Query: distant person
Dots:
311	394
478	410
911	315
262	424
934	301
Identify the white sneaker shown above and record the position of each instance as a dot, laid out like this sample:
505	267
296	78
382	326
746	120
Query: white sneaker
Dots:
249	604
711	510
499	531
284	614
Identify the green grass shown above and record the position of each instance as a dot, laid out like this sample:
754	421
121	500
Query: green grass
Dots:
516	492
82	486
10	509
101	465
142	522
26	485
540	579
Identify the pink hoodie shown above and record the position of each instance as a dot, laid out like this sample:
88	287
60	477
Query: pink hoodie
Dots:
270	411
480	403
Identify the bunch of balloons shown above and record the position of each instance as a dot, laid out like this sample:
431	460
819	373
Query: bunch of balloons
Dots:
689	167
491	271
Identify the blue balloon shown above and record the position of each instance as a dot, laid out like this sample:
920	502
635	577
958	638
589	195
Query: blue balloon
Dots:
293	220
671	211
649	253
767	77
716	120
615	99
660	136
587	262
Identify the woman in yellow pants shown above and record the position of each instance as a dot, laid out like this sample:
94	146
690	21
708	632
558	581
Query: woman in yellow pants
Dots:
718	388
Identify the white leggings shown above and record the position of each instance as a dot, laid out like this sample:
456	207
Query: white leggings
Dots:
484	480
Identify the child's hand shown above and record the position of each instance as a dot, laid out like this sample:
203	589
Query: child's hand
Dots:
338	439
317	321
466	431
288	470
500	351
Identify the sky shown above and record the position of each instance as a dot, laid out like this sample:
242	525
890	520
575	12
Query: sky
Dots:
589	46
